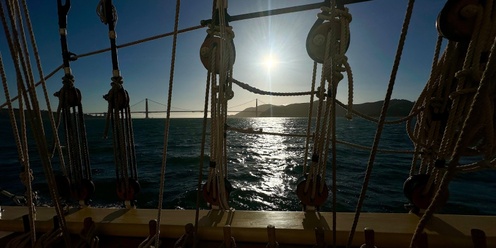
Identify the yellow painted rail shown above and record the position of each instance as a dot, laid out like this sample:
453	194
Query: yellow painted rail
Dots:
391	229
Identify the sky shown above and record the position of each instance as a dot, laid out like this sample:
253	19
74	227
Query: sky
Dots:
145	68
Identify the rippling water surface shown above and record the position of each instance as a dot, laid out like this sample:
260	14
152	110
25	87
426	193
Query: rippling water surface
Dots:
263	169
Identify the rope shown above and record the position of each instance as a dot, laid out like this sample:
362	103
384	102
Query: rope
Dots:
339	103
252	131
202	153
50	238
36	85
88	238
167	122
365	148
19	241
309	121
75	57
382	117
213	130
271	93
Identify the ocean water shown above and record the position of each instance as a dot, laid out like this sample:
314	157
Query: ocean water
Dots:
263	169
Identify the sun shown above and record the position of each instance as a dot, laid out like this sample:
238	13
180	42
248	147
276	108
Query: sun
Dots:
270	61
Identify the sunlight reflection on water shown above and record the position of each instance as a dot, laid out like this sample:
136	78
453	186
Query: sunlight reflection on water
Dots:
263	169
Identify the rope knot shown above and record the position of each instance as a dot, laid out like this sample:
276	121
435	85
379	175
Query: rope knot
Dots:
470	73
436	103
458	93
437	113
335	14
340	59
68	80
337	76
325	16
320	93
427	151
216	31
117	96
88	234
25	176
345	14
115	86
116	80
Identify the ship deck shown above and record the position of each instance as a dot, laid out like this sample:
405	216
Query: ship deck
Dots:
292	228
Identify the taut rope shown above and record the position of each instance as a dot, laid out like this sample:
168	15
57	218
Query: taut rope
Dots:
382	118
167	123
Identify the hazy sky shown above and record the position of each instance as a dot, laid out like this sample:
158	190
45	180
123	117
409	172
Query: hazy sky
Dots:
145	68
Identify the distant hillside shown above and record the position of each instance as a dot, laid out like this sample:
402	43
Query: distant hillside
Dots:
396	108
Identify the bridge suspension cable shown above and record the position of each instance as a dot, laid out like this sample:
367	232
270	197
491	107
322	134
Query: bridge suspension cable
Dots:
137	103
159	103
242	104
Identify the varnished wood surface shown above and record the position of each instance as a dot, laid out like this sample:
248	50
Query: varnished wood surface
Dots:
391	229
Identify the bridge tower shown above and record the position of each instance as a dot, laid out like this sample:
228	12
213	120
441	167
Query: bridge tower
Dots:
146	108
256	107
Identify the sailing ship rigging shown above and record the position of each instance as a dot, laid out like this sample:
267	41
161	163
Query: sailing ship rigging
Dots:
451	126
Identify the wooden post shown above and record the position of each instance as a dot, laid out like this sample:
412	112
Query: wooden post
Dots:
479	238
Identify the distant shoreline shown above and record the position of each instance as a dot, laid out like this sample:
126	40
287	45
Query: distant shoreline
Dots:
397	108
